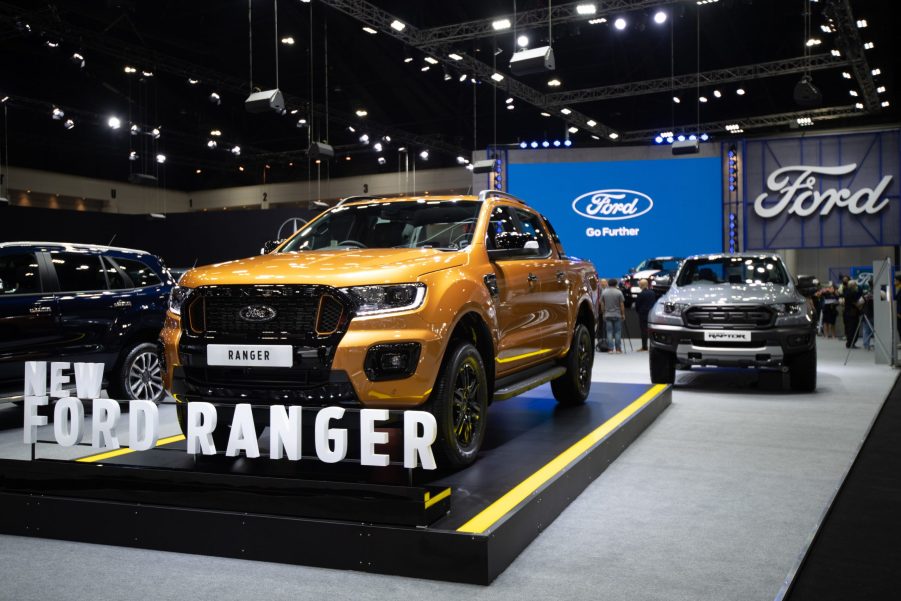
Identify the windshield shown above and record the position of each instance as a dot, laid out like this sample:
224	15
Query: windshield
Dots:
441	224
658	265
733	270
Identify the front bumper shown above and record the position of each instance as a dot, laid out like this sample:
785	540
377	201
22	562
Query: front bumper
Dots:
768	347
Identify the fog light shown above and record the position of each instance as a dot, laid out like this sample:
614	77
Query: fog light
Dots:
662	338
391	361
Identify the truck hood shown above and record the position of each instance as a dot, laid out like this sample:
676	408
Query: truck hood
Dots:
732	294
349	267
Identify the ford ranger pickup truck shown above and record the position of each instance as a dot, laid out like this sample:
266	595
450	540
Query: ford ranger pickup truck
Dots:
438	303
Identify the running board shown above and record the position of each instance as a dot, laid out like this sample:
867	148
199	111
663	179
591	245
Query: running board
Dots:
529	383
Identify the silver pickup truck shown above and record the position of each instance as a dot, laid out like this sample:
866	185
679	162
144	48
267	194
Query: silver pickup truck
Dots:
741	310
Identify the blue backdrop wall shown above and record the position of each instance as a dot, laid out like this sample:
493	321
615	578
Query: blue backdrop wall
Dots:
618	213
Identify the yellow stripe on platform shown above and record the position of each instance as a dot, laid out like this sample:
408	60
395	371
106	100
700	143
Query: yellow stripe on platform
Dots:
126	450
494	512
430	500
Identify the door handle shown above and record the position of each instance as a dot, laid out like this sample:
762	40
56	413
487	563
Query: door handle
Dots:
122	304
40	309
561	276
533	278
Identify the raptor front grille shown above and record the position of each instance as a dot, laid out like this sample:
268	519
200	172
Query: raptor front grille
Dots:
729	317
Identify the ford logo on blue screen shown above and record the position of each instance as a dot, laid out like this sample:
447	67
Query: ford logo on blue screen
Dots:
613	205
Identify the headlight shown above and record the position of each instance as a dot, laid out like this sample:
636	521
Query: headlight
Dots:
674	308
177	298
784	309
376	300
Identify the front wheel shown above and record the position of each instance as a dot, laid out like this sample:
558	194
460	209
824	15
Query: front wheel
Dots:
140	375
572	387
802	371
459	403
663	366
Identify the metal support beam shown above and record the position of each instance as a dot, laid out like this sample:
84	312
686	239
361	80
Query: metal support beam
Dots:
851	46
530	19
381	20
716	77
745	123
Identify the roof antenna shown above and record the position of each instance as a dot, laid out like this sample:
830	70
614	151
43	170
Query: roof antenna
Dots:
110	243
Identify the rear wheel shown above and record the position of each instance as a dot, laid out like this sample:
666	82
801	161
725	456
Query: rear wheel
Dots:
572	387
140	374
460	406
802	371
663	366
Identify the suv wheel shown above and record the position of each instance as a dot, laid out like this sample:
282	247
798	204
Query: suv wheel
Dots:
460	406
802	371
140	375
663	366
572	387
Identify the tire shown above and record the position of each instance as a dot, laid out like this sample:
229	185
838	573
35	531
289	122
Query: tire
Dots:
572	388
459	403
802	371
663	367
220	434
140	374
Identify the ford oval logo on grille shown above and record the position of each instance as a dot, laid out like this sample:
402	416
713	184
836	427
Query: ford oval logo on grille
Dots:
257	313
613	205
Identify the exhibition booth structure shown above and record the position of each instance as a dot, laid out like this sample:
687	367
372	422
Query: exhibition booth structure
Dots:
291	499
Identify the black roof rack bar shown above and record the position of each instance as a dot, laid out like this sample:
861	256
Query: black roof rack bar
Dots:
484	194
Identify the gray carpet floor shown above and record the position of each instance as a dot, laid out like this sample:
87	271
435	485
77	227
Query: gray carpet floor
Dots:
716	500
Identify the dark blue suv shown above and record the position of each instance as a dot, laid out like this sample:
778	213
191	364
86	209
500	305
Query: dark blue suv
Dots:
83	303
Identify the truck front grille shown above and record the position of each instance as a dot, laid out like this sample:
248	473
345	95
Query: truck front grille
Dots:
729	317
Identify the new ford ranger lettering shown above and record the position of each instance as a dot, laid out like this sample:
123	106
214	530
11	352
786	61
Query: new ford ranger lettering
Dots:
735	310
437	303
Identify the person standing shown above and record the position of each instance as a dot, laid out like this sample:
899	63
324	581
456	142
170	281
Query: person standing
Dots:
853	302
866	325
829	300
614	304
644	302
602	328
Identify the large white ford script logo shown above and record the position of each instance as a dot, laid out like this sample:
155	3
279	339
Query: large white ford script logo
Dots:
612	205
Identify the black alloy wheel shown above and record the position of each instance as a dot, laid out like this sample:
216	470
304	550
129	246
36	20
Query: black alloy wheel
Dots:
572	387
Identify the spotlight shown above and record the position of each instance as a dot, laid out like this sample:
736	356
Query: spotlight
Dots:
523	145
424	155
215	133
161	158
554	83
461	160
114	123
462	77
545	144
669	140
288	41
382	161
426	68
211	144
501	24
78	60
522	41
56	114
497	77
591	123
447	76
361	113
556	143
534	145
350	128
397	25
51	44
835	52
370	30
408	59
658	140
573	130
876	72
676	99
660	17
386	139
869	46
147	73
364	139
236	150
455	56
132	156
431	60
681	138
69	124
510	107
693	138
565	111
702	99
215	98
586	9
620	23
377	147
130	69
612	135
192	81
198	171
704	137
155	133
740	91
567	142
717	94
543	114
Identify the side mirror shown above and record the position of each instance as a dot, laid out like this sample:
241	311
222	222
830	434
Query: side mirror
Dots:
270	246
528	248
807	285
662	283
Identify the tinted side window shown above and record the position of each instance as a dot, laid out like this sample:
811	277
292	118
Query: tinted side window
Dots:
78	272
531	225
19	274
140	274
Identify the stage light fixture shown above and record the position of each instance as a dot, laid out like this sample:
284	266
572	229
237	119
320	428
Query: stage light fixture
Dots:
369	30
740	91
620	23
573	130
880	90
386	139
377	147
215	98
114	122
424	155
853	93
161	158
861	23
702	99
704	137
398	25
364	139
361	112
612	135
497	77
134	129
461	160
567	142
426	68
130	70
192	81
78	60
717	94
155	133
869	46
554	83
876	72
543	114
523	144
522	41
533	145
510	107
597	21
288	41
382	161
586	9
431	60
676	99
545	144
660	17
132	156
147	73
462	77
408	59
455	56
236	150
501	24
591	123
556	143
885	104
51	44
566	111
68	124
57	114
211	144
835	52
658	140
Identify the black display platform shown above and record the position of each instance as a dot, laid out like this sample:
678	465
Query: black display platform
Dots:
536	459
